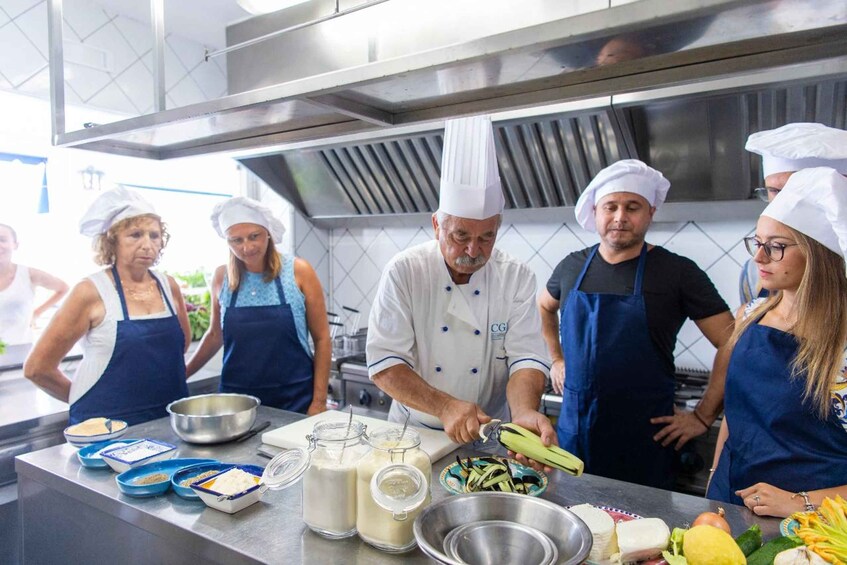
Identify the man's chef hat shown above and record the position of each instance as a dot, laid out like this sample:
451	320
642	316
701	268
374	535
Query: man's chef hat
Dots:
470	180
814	202
243	210
800	146
629	175
110	208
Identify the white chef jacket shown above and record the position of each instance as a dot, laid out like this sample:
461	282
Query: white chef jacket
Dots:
465	340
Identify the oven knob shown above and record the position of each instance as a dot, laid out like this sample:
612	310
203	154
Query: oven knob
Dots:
364	398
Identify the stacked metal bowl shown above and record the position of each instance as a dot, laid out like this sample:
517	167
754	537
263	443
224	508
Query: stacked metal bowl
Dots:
487	528
213	418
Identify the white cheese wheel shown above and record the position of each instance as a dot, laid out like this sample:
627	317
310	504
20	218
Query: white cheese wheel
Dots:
642	539
602	529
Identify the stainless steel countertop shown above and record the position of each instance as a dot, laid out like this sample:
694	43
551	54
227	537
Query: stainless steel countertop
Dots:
272	531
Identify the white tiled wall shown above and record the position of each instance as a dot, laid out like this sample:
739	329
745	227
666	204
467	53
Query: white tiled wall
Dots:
124	83
356	257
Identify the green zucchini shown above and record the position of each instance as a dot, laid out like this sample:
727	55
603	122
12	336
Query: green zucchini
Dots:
765	555
751	540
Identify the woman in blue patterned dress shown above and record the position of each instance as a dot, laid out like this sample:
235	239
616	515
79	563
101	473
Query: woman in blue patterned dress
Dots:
782	447
267	304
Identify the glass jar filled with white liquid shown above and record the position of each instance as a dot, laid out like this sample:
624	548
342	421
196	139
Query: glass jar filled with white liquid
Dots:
390	495
329	472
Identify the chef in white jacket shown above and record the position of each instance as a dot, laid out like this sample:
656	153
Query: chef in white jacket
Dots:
453	336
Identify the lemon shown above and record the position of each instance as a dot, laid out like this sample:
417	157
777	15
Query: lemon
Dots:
708	545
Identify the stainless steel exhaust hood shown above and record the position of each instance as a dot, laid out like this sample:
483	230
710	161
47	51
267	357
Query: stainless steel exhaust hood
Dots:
345	130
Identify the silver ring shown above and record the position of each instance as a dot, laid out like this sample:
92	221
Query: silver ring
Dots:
756	498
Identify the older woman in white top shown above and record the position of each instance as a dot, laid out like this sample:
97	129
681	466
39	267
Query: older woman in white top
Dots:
17	291
131	319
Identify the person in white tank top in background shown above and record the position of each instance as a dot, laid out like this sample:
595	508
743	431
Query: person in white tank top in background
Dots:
17	292
131	321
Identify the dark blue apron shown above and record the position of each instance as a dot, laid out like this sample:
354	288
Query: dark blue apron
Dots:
263	355
146	371
615	381
774	437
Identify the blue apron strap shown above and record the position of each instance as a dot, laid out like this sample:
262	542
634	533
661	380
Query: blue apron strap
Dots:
119	287
585	267
164	295
234	295
279	292
639	274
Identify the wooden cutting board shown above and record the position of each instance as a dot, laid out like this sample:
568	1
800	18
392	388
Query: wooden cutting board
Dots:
435	443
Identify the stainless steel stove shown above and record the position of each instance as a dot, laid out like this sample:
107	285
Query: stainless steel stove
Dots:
357	388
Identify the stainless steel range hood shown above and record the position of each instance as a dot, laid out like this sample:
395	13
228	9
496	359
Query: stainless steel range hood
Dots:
357	130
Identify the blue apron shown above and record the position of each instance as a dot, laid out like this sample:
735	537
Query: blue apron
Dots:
774	437
615	381
146	371
263	355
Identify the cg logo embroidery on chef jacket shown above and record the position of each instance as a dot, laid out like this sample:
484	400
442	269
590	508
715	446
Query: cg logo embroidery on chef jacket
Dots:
498	330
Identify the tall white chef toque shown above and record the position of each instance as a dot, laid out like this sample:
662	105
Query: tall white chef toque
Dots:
629	175
243	210
814	202
110	208
470	179
800	146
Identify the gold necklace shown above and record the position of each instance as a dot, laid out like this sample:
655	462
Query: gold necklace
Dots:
140	294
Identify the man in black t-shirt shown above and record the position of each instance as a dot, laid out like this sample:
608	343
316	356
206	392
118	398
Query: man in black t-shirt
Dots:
622	304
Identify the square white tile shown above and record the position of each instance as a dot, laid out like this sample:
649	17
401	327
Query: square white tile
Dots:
186	92
210	80
139	35
728	234
366	276
137	83
19	59
724	274
691	242
33	24
347	251
113	98
119	53
15	8
560	245
512	242
86	81
382	250
83	18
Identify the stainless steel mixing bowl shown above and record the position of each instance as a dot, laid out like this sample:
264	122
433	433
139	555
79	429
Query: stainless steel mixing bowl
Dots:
570	534
213	418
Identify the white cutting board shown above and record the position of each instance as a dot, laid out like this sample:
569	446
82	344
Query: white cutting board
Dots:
435	443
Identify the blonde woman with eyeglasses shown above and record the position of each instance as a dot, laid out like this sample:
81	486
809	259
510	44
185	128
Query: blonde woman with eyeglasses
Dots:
782	446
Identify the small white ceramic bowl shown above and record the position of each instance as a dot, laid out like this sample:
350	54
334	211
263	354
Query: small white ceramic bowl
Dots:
126	457
234	502
119	428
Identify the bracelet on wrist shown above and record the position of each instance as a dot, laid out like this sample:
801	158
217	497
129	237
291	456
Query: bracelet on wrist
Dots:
700	418
807	503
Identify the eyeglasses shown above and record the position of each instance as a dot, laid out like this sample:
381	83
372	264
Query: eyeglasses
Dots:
774	251
766	193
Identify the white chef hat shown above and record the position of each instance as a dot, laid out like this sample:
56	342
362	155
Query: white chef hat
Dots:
470	180
243	210
814	202
800	146
628	175
110	208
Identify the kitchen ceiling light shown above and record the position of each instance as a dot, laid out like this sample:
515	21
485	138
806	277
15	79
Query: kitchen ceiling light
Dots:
257	7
